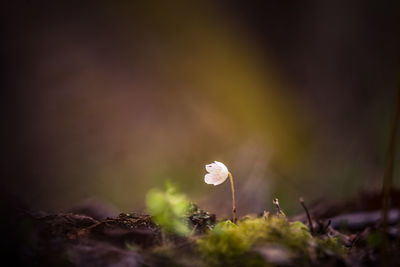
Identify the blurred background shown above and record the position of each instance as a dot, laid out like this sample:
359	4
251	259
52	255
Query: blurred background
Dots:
107	99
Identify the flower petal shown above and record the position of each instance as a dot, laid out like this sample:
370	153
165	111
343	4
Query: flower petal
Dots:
211	179
223	172
213	168
220	180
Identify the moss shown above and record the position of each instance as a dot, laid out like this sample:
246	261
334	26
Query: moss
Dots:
235	245
331	246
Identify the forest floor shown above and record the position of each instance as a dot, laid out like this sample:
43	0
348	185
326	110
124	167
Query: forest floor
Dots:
34	238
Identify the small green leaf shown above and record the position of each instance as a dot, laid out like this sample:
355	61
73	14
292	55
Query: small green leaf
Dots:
168	209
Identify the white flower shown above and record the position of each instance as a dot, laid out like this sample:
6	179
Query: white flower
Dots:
218	173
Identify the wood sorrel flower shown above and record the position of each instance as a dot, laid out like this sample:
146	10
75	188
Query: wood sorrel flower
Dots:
218	173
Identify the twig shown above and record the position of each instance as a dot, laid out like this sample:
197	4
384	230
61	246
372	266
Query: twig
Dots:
276	203
308	214
194	229
265	215
388	174
327	226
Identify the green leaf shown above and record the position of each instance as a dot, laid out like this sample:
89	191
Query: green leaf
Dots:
168	209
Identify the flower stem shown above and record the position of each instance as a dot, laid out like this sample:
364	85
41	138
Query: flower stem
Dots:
233	198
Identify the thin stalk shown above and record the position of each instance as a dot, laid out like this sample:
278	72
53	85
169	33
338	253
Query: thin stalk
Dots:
388	174
233	198
308	214
275	201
